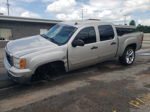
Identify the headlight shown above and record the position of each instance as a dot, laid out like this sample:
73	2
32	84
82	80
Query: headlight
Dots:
16	62
19	63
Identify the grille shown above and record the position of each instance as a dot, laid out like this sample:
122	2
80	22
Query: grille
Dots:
9	58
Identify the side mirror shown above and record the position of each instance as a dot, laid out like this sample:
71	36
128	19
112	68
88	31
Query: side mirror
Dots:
78	42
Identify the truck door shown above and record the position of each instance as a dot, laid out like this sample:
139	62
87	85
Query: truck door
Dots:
108	42
80	56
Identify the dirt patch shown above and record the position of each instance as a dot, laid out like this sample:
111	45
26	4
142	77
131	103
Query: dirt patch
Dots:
147	86
145	72
132	86
113	66
81	106
142	80
143	77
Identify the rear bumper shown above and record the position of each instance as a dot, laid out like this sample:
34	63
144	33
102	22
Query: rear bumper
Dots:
18	75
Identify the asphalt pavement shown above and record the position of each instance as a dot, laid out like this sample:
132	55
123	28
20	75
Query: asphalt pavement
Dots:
105	87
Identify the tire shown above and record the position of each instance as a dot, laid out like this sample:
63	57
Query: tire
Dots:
41	73
128	56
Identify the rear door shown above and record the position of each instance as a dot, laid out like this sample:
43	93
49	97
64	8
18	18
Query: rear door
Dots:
108	42
81	56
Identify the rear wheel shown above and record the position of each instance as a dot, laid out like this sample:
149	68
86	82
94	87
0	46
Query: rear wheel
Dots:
128	56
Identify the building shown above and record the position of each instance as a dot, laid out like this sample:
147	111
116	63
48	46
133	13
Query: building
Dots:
17	27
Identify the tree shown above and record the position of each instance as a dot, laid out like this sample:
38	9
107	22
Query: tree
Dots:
132	22
142	28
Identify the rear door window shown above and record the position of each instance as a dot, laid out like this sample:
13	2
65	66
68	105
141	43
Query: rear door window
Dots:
106	32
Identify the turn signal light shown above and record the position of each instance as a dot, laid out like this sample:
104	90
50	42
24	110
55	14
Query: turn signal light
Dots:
23	63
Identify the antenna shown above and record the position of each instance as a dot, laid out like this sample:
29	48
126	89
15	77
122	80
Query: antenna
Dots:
7	4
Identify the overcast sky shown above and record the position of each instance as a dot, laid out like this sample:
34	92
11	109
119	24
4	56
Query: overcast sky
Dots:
107	10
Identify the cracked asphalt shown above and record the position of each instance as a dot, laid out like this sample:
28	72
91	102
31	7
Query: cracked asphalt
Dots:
105	87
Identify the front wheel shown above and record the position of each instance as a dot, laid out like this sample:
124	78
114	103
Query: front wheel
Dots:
49	71
128	56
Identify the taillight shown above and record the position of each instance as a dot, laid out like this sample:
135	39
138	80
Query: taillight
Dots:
142	38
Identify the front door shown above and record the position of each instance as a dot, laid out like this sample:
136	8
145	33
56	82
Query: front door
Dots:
80	56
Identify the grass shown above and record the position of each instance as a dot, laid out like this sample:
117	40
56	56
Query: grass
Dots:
146	40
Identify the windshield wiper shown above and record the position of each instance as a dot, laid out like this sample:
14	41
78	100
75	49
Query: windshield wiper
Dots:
45	36
54	41
50	39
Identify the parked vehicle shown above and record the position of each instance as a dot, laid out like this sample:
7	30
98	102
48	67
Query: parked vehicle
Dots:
1	38
68	46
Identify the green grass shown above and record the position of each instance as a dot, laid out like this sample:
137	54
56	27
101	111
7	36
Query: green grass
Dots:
146	40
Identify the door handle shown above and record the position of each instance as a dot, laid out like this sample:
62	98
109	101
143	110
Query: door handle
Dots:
113	43
94	47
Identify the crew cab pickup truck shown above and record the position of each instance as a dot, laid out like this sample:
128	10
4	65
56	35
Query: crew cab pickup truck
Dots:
68	46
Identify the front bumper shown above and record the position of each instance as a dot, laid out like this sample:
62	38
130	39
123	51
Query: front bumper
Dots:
18	75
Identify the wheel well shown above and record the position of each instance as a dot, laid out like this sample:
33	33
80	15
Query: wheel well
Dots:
52	66
132	45
59	64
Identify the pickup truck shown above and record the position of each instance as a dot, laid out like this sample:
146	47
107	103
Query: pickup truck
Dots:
68	46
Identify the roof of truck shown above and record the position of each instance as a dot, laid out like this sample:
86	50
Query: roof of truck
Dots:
79	23
125	26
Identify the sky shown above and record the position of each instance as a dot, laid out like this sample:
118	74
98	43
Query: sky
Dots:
116	11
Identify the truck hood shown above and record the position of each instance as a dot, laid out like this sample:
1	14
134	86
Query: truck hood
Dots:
24	46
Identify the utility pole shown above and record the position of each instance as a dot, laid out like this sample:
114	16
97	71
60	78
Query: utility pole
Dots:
7	4
82	13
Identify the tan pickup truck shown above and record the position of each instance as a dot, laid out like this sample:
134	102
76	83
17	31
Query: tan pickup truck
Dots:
68	46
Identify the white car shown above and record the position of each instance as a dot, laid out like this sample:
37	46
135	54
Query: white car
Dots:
68	46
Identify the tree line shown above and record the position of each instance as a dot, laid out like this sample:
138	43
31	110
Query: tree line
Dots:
142	28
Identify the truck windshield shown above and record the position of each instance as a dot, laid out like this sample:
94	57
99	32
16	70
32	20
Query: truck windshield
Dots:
60	34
